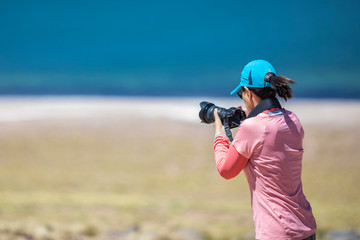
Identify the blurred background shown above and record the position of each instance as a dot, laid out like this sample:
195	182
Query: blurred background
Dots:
99	100
176	48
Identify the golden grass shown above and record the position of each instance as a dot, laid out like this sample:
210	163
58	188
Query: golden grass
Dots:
63	179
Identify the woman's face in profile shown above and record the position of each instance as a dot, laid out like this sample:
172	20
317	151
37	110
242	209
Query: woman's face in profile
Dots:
246	95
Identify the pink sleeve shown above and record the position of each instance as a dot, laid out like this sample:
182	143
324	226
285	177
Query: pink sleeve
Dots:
228	161
249	136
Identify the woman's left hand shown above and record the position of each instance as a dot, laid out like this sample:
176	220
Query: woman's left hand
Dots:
219	127
244	109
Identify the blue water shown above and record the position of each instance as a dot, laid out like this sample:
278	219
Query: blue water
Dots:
176	48
54	85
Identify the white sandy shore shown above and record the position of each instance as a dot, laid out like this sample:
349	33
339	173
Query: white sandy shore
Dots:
15	109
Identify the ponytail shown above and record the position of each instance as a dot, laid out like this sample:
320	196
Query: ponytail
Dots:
279	85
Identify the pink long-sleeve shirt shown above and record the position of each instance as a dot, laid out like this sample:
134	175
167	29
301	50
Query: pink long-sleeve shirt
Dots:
268	147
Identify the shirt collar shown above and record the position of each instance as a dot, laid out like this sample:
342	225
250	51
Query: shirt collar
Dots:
264	105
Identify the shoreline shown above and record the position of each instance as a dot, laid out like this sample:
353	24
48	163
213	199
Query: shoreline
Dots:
332	112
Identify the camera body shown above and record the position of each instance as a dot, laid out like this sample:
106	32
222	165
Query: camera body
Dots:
230	118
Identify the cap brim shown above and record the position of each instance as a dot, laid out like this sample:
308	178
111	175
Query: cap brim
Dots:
236	89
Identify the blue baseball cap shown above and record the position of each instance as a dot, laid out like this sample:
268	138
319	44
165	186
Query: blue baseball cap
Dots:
253	75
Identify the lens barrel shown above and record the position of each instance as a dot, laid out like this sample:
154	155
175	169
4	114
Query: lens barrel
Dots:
206	113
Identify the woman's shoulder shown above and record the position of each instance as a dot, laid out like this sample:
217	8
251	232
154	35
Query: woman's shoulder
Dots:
291	114
254	125
249	135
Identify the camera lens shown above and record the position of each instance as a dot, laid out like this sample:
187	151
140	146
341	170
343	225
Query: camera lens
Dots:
206	113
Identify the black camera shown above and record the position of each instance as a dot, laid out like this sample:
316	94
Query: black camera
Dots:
230	118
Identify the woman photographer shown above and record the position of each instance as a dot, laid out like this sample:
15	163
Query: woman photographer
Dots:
268	148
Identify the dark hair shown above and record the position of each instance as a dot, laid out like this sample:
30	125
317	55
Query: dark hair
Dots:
279	85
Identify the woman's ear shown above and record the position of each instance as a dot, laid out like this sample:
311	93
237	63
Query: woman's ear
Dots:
248	92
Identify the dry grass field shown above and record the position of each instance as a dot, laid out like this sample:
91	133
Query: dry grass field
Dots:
125	178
